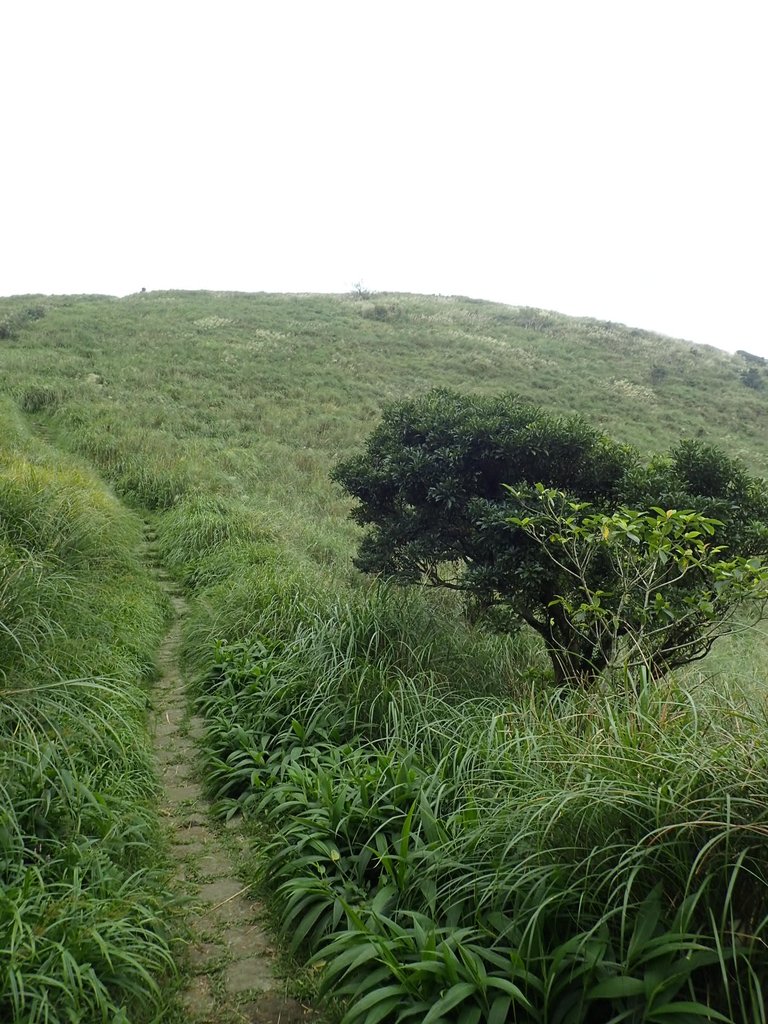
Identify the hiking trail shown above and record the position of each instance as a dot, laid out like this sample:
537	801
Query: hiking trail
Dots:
233	978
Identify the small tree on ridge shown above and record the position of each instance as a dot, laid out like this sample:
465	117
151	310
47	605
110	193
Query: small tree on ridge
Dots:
515	507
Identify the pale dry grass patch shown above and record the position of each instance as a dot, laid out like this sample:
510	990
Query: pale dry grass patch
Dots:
210	323
629	390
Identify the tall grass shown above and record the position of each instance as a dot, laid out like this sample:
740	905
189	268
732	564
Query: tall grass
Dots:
452	851
257	396
205	537
449	840
84	912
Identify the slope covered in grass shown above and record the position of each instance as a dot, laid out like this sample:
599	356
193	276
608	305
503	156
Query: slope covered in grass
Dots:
510	855
450	840
83	910
170	392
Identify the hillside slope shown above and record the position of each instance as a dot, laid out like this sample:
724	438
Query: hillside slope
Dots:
445	793
333	360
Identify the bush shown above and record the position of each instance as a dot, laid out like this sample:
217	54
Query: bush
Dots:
753	378
446	486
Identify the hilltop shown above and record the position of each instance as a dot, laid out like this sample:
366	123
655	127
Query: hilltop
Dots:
332	360
257	396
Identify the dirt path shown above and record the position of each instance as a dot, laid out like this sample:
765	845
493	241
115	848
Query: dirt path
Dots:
234	978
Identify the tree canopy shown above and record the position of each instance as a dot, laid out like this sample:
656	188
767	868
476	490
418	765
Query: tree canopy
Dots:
558	526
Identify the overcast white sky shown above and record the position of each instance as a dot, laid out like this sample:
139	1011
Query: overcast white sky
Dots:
602	158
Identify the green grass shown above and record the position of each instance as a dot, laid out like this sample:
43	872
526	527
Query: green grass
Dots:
570	859
84	909
256	396
447	839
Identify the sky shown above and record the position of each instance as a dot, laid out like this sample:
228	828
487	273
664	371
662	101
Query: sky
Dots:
601	158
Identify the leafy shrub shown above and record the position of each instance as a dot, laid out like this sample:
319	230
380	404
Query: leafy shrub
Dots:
672	591
443	487
749	357
10	324
753	378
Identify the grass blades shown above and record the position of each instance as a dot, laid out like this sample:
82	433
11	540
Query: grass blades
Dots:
85	916
499	856
446	837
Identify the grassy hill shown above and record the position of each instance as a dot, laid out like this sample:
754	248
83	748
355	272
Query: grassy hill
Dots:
435	818
313	351
186	389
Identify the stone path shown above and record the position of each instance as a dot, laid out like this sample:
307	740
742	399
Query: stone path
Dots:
233	974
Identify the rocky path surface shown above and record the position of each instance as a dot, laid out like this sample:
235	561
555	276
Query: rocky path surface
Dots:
233	973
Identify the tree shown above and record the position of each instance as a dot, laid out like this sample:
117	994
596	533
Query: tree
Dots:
671	592
752	378
471	493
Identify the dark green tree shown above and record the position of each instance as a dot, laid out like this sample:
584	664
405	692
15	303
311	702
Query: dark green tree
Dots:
447	488
752	378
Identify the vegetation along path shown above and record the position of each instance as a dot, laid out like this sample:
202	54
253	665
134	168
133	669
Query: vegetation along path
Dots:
233	974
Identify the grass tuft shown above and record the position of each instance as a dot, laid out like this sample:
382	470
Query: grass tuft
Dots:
84	909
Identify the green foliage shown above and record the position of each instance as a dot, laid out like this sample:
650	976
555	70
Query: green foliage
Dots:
149	471
257	396
449	857
13	321
750	358
560	815
39	397
84	911
381	311
445	486
639	589
202	530
753	378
